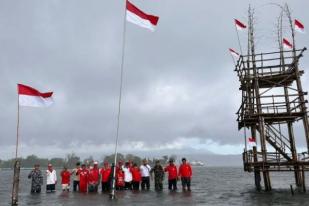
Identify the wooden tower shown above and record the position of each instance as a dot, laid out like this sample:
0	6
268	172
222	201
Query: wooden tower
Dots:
272	102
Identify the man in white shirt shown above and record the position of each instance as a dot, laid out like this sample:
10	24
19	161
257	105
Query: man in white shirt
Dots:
127	176
145	173
51	179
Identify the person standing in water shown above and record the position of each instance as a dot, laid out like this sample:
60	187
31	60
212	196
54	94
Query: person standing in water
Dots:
158	172
75	174
51	179
36	179
83	179
105	173
185	173
171	169
94	178
145	172
127	176
65	179
136	177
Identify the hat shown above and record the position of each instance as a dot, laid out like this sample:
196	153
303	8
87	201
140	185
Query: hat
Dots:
49	165
95	163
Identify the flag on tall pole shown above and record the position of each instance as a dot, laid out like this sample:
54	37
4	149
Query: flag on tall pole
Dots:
30	97
239	25
140	18
298	26
287	44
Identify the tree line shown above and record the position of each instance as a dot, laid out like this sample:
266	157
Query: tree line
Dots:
70	160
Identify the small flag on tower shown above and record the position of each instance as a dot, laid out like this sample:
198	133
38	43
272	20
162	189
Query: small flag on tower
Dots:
234	53
287	44
138	17
299	26
239	25
31	97
252	141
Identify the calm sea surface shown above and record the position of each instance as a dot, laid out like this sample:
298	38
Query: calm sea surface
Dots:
210	186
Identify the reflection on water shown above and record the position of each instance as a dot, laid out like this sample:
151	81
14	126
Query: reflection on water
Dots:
210	186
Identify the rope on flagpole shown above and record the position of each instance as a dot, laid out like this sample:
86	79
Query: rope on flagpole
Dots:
112	195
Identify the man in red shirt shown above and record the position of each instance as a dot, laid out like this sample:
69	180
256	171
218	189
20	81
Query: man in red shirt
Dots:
171	169
65	179
185	173
136	177
83	179
94	177
120	180
105	173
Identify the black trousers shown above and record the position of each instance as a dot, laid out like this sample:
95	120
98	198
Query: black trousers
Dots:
172	184
186	182
75	185
105	187
128	186
145	183
50	188
135	185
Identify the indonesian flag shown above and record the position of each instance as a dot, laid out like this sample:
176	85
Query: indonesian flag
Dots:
287	44
138	17
252	141
234	53
299	26
239	25
31	97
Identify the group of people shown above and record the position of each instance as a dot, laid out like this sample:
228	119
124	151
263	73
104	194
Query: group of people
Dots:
128	176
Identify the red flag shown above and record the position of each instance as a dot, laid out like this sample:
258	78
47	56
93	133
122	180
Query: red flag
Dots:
239	25
138	17
251	139
234	53
287	44
31	97
299	26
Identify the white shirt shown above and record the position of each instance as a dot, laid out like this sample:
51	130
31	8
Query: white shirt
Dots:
51	177
127	174
145	170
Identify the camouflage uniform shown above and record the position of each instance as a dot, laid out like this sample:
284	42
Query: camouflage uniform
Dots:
37	180
158	177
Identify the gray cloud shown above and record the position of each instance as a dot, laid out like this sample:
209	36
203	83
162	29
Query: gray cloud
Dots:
179	81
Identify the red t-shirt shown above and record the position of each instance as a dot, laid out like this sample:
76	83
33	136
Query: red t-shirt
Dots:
94	176
185	170
65	177
105	174
172	171
136	175
120	179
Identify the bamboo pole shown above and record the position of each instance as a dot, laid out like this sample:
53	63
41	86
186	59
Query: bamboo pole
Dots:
17	163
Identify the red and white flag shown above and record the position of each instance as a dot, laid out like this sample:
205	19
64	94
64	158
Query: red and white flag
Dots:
239	25
252	141
31	97
234	53
287	44
140	18
299	26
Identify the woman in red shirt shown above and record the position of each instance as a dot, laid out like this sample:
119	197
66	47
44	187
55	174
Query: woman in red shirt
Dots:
120	180
136	177
65	179
83	179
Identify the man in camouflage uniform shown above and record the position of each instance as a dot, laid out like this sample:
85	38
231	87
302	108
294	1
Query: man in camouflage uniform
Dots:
37	179
158	175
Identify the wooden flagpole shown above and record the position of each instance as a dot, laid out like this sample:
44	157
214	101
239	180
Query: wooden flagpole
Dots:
238	39
17	163
112	195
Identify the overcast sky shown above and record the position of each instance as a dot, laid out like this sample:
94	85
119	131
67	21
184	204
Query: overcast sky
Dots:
180	92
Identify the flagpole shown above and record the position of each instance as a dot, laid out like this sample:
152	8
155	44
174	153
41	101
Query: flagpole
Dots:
17	163
238	39
112	195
